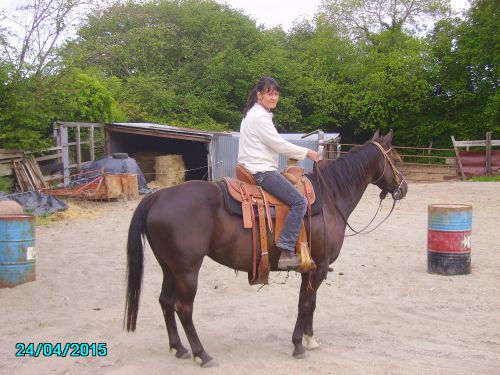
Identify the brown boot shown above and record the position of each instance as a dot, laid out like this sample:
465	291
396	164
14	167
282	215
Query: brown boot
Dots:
289	260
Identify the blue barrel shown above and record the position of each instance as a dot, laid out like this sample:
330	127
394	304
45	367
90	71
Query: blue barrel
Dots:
17	250
449	239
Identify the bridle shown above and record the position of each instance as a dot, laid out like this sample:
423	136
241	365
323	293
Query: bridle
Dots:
397	193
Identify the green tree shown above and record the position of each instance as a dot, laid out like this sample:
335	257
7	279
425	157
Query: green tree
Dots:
379	79
35	90
30	106
364	19
466	101
188	62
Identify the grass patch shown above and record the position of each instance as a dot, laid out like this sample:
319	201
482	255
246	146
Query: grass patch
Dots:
6	185
495	178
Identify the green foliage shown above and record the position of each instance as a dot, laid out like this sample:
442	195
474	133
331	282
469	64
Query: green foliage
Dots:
6	185
33	104
466	102
186	61
192	63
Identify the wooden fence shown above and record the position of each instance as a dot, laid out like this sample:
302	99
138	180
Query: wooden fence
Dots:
419	164
48	161
76	143
79	142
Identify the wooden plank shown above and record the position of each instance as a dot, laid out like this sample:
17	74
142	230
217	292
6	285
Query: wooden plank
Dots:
55	148
6	170
76	143
49	157
20	175
37	172
475	143
6	150
11	155
488	154
458	158
78	147
91	142
81	124
30	174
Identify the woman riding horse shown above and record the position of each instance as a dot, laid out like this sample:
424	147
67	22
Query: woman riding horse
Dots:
187	222
259	149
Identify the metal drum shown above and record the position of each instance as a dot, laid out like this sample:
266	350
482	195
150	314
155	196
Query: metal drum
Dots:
449	239
17	250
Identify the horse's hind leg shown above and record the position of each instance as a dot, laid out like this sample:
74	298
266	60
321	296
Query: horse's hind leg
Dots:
167	303
186	285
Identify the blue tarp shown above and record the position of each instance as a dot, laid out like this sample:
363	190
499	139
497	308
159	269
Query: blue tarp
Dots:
36	203
112	165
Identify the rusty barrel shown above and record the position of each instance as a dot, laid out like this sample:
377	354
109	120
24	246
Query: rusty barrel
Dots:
17	250
449	239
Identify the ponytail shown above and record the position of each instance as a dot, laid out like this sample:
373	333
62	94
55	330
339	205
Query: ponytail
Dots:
252	99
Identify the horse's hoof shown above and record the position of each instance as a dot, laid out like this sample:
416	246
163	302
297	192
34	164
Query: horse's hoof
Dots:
205	362
210	363
299	353
181	353
310	342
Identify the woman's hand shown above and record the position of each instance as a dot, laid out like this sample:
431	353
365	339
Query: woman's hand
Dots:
313	155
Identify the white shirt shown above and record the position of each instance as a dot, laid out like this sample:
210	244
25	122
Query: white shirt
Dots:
260	144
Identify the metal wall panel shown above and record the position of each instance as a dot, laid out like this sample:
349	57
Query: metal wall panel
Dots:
224	155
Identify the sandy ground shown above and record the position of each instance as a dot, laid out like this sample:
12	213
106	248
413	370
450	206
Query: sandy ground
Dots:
379	311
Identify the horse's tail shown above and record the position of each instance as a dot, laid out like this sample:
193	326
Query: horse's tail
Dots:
135	262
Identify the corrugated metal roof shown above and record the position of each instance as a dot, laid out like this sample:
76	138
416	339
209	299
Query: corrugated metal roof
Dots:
166	128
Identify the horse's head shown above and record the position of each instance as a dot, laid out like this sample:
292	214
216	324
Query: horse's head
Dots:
388	178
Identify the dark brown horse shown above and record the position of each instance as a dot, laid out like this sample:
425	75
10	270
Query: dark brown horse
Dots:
185	223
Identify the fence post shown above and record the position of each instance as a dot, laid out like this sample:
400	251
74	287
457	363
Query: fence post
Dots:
65	153
459	161
488	154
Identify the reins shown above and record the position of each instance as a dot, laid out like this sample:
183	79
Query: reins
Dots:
363	230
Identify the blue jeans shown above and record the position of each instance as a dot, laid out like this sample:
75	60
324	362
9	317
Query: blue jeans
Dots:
281	188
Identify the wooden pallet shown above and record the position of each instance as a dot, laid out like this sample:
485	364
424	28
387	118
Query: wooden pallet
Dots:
28	174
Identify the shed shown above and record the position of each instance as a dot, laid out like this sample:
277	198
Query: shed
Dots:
207	155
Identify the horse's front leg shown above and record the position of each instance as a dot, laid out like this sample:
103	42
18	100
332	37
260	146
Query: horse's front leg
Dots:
307	304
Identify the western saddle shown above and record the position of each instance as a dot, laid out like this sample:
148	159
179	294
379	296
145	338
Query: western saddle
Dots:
245	190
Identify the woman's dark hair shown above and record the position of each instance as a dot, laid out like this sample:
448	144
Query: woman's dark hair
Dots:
264	85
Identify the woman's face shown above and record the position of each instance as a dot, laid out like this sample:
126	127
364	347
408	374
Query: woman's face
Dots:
269	99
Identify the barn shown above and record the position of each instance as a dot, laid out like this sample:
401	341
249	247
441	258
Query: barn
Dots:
207	155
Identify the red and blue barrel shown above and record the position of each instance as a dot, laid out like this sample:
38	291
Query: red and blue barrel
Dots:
17	250
449	239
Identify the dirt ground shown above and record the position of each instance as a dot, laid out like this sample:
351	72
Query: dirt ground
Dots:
379	311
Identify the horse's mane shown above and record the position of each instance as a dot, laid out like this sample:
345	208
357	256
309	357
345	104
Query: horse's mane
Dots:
348	171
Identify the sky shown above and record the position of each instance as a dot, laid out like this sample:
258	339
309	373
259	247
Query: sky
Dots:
272	13
269	13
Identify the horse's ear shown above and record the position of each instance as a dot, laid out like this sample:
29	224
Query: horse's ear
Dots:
387	139
376	135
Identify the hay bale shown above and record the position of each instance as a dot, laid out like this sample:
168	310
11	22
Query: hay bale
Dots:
10	208
170	170
146	161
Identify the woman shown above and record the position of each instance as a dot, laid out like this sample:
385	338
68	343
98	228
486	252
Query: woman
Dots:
259	149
